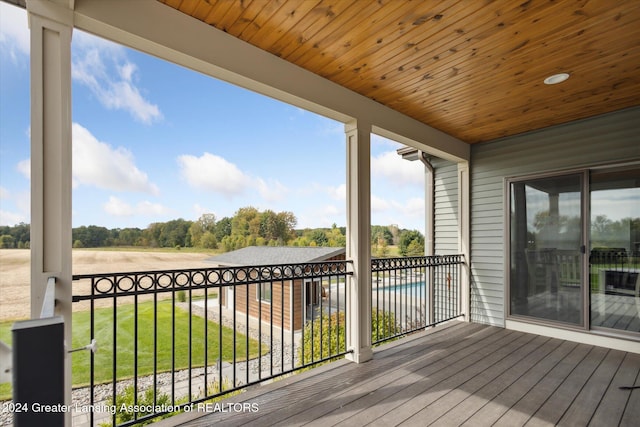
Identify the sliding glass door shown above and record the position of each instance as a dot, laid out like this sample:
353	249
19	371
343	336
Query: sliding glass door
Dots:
614	262
575	249
547	249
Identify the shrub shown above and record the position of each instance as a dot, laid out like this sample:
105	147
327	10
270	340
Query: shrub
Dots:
126	397
182	296
146	399
328	337
383	325
323	337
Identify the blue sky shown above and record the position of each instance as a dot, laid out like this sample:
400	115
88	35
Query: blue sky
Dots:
153	141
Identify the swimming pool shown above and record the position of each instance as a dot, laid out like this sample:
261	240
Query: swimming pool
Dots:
413	288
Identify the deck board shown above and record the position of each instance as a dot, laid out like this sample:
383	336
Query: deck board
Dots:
361	397
428	393
585	403
457	374
631	414
476	401
512	394
427	381
559	401
614	401
456	395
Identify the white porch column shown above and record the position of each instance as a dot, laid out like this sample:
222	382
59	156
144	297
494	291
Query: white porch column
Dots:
51	26
464	239
359	239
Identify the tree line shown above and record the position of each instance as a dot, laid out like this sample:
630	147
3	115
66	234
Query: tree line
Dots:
247	227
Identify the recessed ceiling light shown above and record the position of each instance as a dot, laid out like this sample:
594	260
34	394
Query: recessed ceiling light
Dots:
556	78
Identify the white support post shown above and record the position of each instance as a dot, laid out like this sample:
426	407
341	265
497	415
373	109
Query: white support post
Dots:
51	25
464	227
359	239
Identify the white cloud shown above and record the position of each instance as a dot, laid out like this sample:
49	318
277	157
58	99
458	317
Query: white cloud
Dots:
412	208
380	141
24	167
378	204
99	164
213	173
103	67
402	172
338	193
271	191
148	208
330	210
321	216
14	32
201	210
11	218
118	207
21	202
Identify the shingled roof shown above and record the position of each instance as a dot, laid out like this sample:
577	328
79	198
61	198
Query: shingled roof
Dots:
271	255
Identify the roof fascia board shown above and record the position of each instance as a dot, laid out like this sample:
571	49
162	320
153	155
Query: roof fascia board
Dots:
144	24
329	255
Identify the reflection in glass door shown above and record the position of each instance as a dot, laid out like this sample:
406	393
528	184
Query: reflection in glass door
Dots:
547	249
614	259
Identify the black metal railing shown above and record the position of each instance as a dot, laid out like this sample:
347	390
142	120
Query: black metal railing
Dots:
170	340
614	271
412	293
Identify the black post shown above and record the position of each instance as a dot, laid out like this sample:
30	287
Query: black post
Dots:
38	372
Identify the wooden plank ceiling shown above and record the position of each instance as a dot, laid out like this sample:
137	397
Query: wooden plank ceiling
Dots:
473	69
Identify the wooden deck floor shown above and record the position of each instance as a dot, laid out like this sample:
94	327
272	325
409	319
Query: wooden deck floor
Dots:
457	374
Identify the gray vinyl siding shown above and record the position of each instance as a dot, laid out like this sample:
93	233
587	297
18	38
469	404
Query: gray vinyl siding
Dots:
446	207
606	139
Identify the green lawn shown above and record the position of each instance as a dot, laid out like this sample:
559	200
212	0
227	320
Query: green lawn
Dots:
166	340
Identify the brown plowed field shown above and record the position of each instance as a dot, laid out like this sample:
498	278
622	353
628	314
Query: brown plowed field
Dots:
15	271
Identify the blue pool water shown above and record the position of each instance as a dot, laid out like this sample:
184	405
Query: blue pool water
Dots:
415	288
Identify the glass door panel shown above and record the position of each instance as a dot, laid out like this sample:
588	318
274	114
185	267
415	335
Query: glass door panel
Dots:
614	261
546	249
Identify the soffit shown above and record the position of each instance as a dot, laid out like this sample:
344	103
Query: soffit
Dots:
473	69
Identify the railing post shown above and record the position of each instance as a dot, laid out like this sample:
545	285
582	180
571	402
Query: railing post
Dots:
51	25
430	282
359	240
38	372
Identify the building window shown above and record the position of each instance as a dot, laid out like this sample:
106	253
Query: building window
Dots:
264	292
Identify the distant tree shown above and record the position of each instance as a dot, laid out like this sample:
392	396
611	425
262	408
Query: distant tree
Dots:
246	221
205	224
395	232
175	233
152	234
21	234
285	224
379	233
410	241
223	228
207	221
318	238
92	236
380	249
129	236
336	237
7	241
208	240
301	241
415	248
